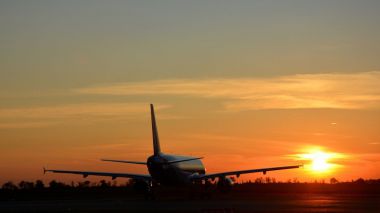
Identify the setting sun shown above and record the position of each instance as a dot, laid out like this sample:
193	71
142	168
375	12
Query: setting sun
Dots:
318	161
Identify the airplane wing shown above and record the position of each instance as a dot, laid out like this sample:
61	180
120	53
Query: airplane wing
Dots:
106	174
239	172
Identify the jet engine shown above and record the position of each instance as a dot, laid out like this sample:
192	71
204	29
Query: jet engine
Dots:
225	183
144	188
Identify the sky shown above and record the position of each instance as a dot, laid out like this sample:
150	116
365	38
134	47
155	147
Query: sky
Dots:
245	84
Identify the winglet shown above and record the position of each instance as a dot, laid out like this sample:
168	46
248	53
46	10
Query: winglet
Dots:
156	141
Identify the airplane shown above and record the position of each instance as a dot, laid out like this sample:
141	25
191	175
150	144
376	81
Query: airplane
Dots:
167	169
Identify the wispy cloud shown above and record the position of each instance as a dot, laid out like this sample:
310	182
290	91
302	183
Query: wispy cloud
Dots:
35	117
346	91
72	110
25	125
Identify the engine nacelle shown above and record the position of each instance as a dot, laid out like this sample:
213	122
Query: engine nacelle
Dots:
225	183
145	188
142	186
193	176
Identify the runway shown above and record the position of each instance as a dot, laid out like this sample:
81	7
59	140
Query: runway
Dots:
258	203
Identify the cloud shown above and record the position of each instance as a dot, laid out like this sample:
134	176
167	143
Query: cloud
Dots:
341	91
35	117
72	110
24	125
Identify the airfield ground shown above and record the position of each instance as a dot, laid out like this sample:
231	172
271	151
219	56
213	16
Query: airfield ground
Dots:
281	202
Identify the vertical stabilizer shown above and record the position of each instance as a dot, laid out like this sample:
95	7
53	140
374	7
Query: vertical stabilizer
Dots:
156	141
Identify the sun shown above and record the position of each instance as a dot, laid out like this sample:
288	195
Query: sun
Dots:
318	161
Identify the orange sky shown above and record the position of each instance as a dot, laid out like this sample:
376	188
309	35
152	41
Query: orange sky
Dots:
245	84
229	140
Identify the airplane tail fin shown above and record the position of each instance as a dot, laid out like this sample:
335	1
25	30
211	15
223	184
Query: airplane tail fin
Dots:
156	141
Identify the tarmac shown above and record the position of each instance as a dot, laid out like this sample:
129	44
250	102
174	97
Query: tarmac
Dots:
297	202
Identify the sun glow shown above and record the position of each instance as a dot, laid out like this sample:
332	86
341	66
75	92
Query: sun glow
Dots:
318	161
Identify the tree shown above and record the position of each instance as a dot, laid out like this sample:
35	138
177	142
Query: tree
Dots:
360	181
259	180
39	184
274	180
26	185
84	184
268	180
54	185
104	184
334	181
9	186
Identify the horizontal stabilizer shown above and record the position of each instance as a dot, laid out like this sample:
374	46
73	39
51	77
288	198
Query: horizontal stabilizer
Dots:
183	160
124	161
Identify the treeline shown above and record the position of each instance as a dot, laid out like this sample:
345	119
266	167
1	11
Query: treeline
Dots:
54	189
270	185
55	185
103	184
266	180
26	190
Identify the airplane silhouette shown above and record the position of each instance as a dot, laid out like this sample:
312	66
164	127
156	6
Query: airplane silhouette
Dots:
165	169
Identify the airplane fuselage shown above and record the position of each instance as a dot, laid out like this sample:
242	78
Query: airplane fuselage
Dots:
173	173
